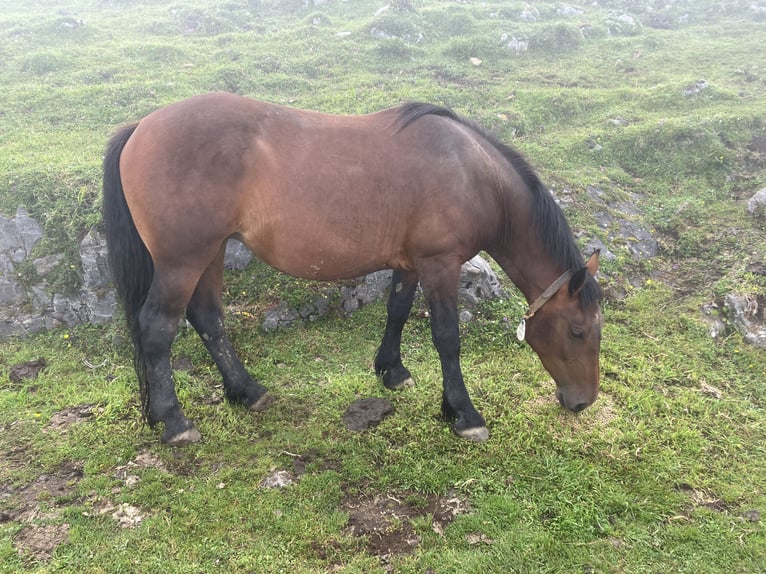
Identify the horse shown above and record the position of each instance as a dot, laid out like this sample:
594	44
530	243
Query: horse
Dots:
415	188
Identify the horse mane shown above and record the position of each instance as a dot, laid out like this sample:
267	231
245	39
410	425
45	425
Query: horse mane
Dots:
550	224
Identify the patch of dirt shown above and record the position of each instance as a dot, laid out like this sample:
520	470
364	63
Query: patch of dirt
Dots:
385	522
24	504
126	473
38	502
62	420
40	542
702	498
600	414
27	371
366	413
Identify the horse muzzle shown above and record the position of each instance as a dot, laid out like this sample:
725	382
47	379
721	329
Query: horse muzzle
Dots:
576	402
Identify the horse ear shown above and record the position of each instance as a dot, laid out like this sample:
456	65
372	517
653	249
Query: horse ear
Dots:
578	277
592	264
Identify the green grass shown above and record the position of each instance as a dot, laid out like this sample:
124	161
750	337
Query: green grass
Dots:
662	474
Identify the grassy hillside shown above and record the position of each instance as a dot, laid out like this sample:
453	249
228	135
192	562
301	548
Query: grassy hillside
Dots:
652	113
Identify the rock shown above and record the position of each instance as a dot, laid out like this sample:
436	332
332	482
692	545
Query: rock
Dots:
623	24
711	316
596	244
19	235
237	255
366	413
94	259
517	44
372	288
530	15
695	88
617	219
640	242
756	205
478	282
568	11
279	317
29	306
278	479
747	318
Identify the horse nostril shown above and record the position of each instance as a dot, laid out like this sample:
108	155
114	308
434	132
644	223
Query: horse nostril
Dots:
580	407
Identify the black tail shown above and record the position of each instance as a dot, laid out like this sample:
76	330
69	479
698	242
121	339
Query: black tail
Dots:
129	260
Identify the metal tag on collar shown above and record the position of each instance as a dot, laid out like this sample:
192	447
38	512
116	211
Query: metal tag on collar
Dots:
521	330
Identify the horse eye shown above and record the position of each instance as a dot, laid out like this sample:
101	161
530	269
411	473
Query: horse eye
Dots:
576	333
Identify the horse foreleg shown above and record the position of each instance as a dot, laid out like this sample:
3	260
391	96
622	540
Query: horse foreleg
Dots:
205	313
388	360
440	286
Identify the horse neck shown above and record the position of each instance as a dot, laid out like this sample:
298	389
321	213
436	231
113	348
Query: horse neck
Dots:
522	255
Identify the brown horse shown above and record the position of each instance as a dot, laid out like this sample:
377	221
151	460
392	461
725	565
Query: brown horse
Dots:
413	188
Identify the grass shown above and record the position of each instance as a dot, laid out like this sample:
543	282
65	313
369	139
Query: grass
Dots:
664	473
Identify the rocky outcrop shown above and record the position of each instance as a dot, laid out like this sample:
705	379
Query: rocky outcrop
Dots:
27	302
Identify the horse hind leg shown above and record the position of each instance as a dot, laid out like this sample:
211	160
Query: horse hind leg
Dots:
388	360
205	313
158	322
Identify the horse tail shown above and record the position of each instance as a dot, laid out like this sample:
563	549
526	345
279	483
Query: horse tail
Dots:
129	260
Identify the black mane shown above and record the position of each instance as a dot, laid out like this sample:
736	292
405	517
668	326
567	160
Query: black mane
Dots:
550	224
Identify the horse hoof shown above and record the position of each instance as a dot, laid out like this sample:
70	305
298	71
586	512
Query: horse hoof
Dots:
189	436
476	434
262	404
405	384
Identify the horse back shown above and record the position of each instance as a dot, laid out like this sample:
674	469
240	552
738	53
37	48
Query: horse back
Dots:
315	195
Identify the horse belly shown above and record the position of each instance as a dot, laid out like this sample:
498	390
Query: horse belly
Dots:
305	249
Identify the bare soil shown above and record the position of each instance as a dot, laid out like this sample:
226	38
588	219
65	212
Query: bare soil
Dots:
386	522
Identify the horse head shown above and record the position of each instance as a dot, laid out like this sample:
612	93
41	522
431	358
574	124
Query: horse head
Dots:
564	329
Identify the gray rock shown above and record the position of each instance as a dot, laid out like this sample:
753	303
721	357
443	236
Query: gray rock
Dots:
237	255
478	282
45	265
640	242
278	479
711	316
622	24
530	15
28	308
279	317
695	88
94	260
747	318
756	205
516	44
372	288
19	235
618	219
568	11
